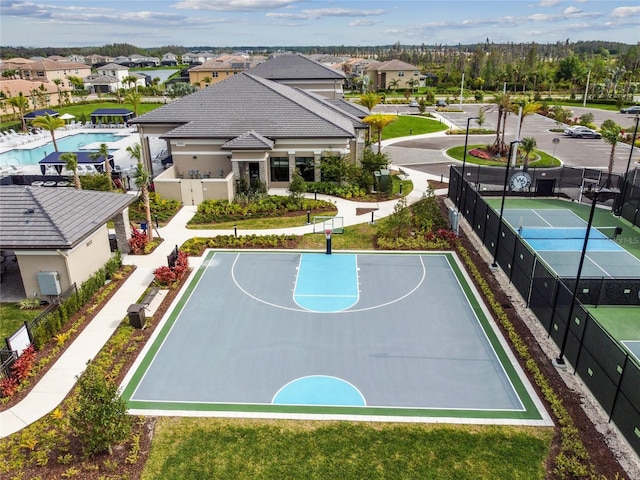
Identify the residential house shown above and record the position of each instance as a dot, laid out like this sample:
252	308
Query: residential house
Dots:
59	236
47	71
169	59
197	58
383	74
252	128
218	69
98	60
298	71
40	94
137	61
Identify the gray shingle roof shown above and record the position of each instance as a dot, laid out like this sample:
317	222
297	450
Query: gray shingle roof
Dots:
52	218
246	102
248	141
295	67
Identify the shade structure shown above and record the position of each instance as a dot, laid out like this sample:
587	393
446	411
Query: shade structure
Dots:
84	159
41	113
109	114
67	116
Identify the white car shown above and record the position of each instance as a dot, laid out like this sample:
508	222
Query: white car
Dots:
572	131
585	132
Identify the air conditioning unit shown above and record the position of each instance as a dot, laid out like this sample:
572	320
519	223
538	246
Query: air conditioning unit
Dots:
49	283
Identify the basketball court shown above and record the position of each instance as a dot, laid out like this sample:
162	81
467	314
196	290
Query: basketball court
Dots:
368	336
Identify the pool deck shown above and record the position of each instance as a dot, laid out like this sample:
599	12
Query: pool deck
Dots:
121	156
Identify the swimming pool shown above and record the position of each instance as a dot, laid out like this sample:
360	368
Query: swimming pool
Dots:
72	143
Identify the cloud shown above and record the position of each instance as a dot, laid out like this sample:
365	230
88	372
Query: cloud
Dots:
326	12
232	5
549	3
572	11
622	12
361	22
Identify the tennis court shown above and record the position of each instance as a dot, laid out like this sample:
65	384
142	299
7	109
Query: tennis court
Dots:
557	235
352	336
622	323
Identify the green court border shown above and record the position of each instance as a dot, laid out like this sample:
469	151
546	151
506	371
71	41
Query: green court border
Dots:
530	411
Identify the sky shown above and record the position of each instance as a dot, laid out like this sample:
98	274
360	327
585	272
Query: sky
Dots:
227	23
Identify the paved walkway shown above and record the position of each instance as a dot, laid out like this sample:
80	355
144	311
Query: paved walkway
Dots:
54	386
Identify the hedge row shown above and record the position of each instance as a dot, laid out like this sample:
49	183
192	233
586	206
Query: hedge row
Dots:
195	246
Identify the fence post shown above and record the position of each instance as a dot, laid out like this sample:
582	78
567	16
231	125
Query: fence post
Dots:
615	397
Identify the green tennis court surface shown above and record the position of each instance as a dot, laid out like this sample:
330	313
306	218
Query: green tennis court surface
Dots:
308	335
622	323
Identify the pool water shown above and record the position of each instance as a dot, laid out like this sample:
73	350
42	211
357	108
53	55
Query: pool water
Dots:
72	143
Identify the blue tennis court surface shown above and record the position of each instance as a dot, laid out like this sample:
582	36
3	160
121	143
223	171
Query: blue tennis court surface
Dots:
634	347
370	335
557	236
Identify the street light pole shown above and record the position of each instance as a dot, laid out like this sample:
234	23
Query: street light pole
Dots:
464	162
626	173
504	193
559	361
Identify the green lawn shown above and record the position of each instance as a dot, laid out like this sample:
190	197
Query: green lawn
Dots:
407	125
537	159
629	239
11	318
197	448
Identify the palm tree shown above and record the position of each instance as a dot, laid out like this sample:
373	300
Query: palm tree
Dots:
528	145
503	101
58	82
20	103
103	152
47	122
379	121
369	100
394	84
70	160
130	79
611	134
206	80
142	180
134	98
528	108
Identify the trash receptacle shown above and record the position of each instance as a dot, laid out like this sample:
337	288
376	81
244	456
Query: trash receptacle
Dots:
113	242
136	314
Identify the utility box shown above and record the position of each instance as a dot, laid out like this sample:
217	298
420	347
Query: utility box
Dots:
49	283
137	317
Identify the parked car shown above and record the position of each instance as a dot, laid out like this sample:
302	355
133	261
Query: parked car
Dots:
634	110
571	130
413	103
441	103
585	132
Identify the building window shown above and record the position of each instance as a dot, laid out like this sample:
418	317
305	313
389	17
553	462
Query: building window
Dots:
401	73
279	169
416	73
214	74
40	73
305	166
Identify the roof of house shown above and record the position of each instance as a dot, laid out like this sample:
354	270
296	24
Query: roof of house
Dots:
295	67
51	65
13	87
392	65
112	66
248	141
54	218
247	102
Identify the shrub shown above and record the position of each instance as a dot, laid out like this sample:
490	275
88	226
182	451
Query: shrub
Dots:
476	152
22	367
138	241
29	303
8	386
99	418
164	276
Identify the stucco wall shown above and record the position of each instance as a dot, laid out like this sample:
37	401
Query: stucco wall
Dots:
73	266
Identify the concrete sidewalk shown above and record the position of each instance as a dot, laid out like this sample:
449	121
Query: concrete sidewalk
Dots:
60	379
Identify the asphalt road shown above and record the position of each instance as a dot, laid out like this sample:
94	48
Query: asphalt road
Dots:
428	154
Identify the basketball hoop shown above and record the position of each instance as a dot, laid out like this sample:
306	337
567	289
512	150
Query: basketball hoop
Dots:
327	233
